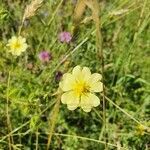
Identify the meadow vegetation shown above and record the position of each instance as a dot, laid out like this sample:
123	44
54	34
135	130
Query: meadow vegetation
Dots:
110	37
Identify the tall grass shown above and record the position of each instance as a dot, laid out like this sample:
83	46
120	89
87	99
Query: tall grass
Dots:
110	37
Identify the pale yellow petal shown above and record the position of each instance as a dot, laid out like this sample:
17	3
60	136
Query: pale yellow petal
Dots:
72	107
21	39
65	97
17	53
67	82
77	73
86	73
85	103
87	109
13	39
71	100
94	100
88	101
76	70
96	87
95	77
24	47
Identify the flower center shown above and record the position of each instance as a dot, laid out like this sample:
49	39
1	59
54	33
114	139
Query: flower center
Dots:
17	45
81	88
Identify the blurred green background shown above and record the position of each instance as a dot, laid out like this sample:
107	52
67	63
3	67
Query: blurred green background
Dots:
126	46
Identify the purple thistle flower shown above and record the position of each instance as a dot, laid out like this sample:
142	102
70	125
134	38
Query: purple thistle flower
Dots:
45	56
65	37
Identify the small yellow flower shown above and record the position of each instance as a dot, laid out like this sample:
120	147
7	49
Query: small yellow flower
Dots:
79	88
140	130
17	45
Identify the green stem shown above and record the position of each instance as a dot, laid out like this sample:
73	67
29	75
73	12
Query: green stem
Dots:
95	14
10	137
131	117
53	122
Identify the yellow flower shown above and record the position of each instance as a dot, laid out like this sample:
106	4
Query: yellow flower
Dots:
140	130
17	45
79	88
